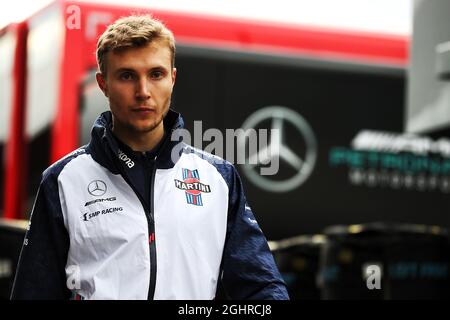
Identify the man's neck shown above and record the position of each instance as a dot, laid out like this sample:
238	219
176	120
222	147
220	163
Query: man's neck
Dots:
145	141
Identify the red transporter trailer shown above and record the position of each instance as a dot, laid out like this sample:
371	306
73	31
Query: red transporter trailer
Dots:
13	40
60	56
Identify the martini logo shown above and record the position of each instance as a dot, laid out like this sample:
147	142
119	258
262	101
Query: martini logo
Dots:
192	186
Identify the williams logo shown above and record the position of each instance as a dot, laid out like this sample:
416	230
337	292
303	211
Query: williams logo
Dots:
192	186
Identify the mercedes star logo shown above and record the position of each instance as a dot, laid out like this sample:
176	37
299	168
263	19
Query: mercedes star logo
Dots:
97	188
300	166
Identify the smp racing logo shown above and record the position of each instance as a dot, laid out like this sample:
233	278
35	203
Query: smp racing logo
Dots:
192	186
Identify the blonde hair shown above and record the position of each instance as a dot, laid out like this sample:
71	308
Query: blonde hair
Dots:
132	32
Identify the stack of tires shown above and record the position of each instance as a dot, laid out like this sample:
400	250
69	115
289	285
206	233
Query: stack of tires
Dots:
385	261
12	234
298	261
373	261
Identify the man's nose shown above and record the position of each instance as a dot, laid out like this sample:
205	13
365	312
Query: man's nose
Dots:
143	89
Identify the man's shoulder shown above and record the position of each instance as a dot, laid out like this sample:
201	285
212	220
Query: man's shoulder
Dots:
224	167
55	169
209	157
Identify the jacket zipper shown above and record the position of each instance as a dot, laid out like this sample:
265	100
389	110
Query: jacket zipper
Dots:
151	291
151	230
149	214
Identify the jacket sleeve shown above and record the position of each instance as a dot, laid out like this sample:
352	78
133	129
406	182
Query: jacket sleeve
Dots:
248	268
40	272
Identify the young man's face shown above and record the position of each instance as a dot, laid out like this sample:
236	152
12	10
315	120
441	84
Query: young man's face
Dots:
138	84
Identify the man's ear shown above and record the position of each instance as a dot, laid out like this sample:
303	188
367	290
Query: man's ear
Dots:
174	75
101	81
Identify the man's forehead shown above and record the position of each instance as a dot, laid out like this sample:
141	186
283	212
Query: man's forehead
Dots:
154	54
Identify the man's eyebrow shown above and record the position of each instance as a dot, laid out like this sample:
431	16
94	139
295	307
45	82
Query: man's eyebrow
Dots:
120	70
156	68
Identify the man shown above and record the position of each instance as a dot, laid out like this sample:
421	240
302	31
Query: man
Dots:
122	218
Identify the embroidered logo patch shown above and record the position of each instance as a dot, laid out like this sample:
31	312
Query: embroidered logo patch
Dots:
192	186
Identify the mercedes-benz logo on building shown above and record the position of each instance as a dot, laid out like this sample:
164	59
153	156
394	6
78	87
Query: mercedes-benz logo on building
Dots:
97	188
300	160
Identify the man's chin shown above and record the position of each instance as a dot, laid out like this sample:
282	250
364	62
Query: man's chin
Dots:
145	127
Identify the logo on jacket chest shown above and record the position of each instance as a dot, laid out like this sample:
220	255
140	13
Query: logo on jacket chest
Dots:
192	186
97	188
